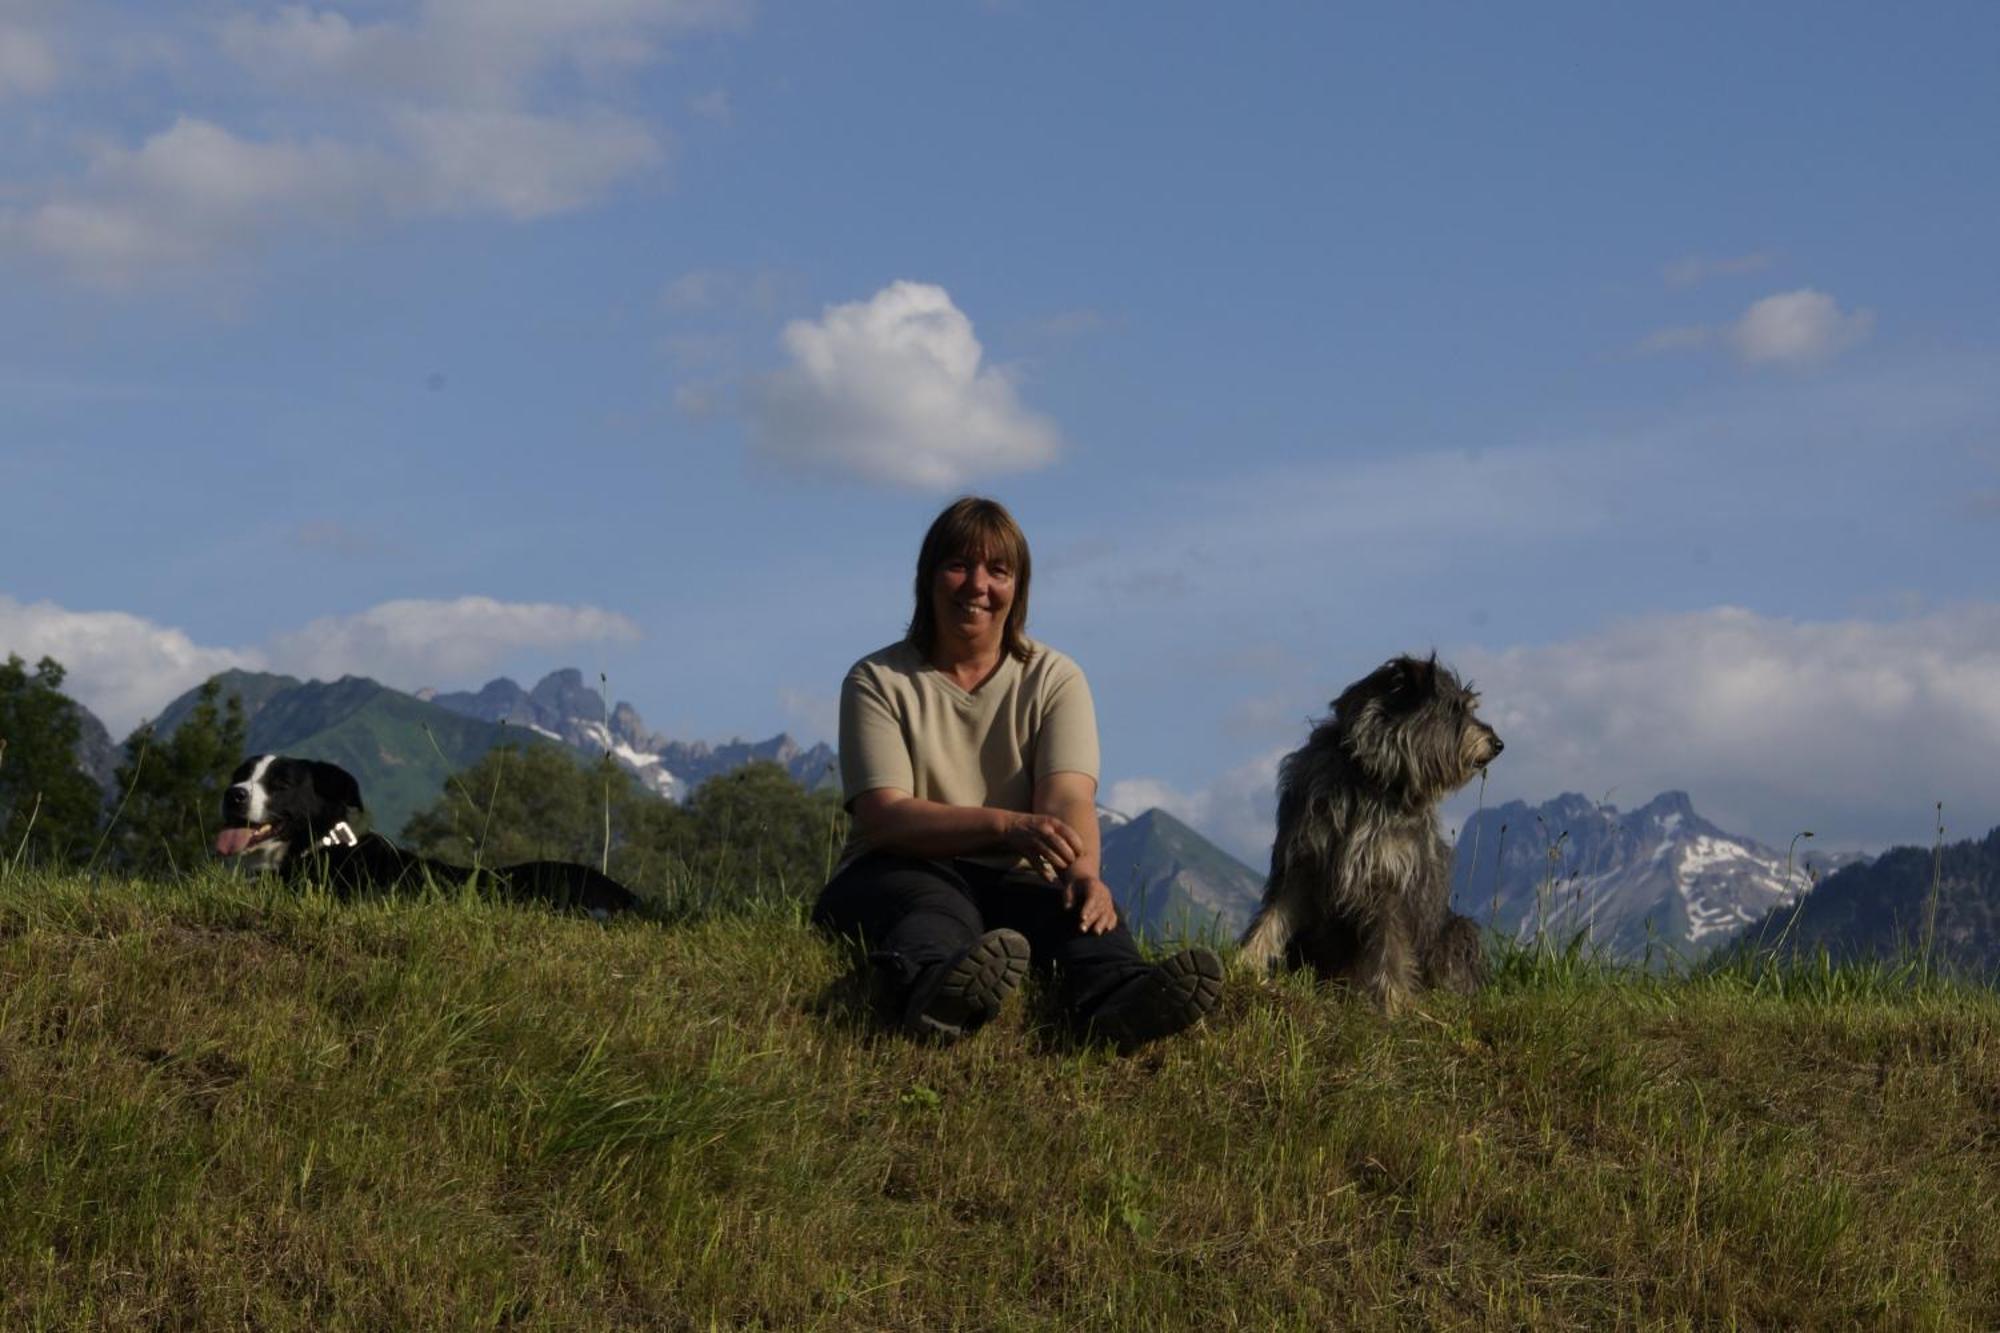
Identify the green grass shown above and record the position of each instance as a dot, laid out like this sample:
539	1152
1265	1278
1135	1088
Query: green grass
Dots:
225	1107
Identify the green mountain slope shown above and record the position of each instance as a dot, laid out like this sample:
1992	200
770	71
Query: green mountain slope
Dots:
253	689
1172	883
376	733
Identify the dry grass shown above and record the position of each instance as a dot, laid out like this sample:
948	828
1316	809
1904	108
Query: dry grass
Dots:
222	1107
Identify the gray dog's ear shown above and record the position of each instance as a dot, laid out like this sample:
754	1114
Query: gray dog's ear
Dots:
335	784
1412	680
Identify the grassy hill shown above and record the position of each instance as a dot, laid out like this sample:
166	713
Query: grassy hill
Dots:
226	1107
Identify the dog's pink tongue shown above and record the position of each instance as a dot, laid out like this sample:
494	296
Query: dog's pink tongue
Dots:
233	840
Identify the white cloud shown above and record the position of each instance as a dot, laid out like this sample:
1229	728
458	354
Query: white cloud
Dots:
299	41
495	54
125	668
189	192
122	667
520	165
28	65
1791	328
1238	810
411	641
1796	328
197	191
892	390
1699	268
1851	728
502	107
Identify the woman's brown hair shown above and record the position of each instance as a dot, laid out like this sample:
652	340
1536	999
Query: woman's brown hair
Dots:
973	528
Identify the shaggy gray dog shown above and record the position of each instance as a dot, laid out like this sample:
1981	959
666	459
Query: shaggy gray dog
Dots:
1360	886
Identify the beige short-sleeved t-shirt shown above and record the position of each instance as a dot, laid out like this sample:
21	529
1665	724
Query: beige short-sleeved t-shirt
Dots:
904	724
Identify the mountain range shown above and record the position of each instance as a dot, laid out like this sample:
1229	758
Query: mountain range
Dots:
562	708
1659	881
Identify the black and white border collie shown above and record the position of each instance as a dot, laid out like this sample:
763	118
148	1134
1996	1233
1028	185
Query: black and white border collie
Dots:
290	816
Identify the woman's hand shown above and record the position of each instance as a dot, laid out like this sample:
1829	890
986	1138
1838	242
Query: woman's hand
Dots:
1091	897
1044	841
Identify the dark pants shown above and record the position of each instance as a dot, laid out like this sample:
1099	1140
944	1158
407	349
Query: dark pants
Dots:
910	914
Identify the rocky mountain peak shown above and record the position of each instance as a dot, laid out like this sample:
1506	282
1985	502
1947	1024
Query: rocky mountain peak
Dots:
563	707
1661	877
629	728
563	693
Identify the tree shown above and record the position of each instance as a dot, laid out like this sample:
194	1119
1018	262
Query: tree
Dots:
171	788
750	835
49	807
538	804
758	826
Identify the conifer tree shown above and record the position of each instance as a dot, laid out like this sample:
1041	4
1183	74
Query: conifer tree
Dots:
172	788
49	807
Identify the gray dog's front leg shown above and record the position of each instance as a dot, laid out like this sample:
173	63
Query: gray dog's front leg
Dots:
1387	967
1264	942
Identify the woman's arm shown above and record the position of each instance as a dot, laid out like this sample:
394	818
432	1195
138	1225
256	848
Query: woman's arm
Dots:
892	820
1072	798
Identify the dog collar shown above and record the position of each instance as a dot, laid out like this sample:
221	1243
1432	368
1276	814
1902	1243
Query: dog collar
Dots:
339	836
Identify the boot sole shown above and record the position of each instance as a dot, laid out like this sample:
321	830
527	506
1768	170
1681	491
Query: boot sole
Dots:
974	985
1171	998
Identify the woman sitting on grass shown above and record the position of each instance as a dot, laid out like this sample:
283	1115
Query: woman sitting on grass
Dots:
968	757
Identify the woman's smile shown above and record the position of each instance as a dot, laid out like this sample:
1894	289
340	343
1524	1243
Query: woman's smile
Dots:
973	595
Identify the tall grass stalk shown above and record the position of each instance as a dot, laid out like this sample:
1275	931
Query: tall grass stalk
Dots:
26	833
1797	906
1479	808
1937	885
604	703
1546	888
452	779
139	765
492	804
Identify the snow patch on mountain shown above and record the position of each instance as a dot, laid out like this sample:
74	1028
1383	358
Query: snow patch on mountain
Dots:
1727	884
562	708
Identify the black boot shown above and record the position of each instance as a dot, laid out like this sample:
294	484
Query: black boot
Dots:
1164	999
952	998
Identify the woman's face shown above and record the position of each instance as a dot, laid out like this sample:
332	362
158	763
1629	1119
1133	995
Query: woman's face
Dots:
970	597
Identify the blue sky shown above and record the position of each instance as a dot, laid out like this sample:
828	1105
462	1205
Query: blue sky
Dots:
1642	363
